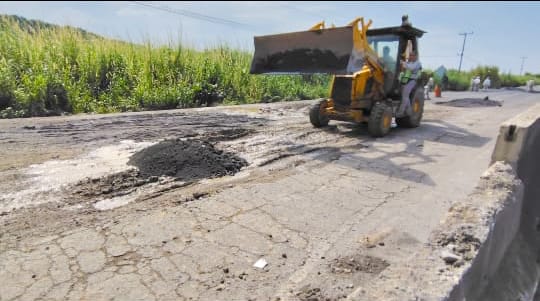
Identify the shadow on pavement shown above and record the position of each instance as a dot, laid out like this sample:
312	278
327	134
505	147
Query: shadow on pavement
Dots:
382	158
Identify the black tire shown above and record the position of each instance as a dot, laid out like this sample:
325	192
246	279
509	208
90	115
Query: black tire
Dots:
417	108
380	120
317	119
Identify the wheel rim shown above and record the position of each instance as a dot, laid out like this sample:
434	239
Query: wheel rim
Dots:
416	106
386	121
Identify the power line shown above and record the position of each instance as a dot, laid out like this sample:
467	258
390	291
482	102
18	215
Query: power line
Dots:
464	34
194	15
523	58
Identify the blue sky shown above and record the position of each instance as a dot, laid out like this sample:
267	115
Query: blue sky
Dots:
503	31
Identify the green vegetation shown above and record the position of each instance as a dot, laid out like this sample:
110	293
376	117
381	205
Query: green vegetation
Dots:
47	69
461	81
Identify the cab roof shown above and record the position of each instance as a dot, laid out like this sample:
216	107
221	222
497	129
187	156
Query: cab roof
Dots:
397	30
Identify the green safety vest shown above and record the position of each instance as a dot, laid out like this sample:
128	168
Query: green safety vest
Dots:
404	77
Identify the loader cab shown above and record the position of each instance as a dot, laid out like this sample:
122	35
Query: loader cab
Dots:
393	40
387	49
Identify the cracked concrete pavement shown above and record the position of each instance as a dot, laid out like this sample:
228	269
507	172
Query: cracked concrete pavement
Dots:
309	197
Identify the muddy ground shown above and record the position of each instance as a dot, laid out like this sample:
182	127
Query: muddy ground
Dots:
179	205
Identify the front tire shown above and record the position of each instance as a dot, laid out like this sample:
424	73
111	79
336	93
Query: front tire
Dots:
380	120
417	108
316	114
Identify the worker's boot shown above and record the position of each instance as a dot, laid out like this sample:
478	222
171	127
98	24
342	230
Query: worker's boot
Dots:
401	110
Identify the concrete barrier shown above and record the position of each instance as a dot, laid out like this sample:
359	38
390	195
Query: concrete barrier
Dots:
488	245
507	266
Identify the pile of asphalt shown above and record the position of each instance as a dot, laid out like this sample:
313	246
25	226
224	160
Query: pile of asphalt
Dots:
471	102
185	160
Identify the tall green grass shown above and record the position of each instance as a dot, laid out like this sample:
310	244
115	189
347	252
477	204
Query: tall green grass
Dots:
461	81
46	70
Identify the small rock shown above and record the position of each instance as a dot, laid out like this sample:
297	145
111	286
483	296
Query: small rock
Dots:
198	195
284	255
350	285
468	257
226	270
381	243
29	127
449	257
459	263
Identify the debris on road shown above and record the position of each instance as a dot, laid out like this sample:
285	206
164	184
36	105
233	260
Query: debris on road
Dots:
449	257
261	263
358	263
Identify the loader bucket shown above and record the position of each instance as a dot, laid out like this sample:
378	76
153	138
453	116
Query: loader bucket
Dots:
316	51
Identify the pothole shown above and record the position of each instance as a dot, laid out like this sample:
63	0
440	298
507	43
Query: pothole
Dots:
166	162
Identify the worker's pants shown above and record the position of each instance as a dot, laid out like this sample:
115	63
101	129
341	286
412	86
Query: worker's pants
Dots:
405	99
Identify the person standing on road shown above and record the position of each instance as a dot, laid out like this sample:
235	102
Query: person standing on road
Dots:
475	83
530	85
411	72
486	83
431	83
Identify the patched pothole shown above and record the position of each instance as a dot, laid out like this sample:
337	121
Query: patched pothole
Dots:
174	160
471	102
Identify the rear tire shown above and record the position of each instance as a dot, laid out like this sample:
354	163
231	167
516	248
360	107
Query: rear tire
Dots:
380	120
316	117
417	107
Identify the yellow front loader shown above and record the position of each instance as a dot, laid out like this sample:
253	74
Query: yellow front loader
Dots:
364	62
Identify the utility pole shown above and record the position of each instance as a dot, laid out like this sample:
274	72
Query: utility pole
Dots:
522	61
464	34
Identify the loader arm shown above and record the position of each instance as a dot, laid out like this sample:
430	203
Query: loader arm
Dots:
371	67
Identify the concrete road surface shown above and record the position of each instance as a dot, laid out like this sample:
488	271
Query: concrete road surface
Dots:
327	209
